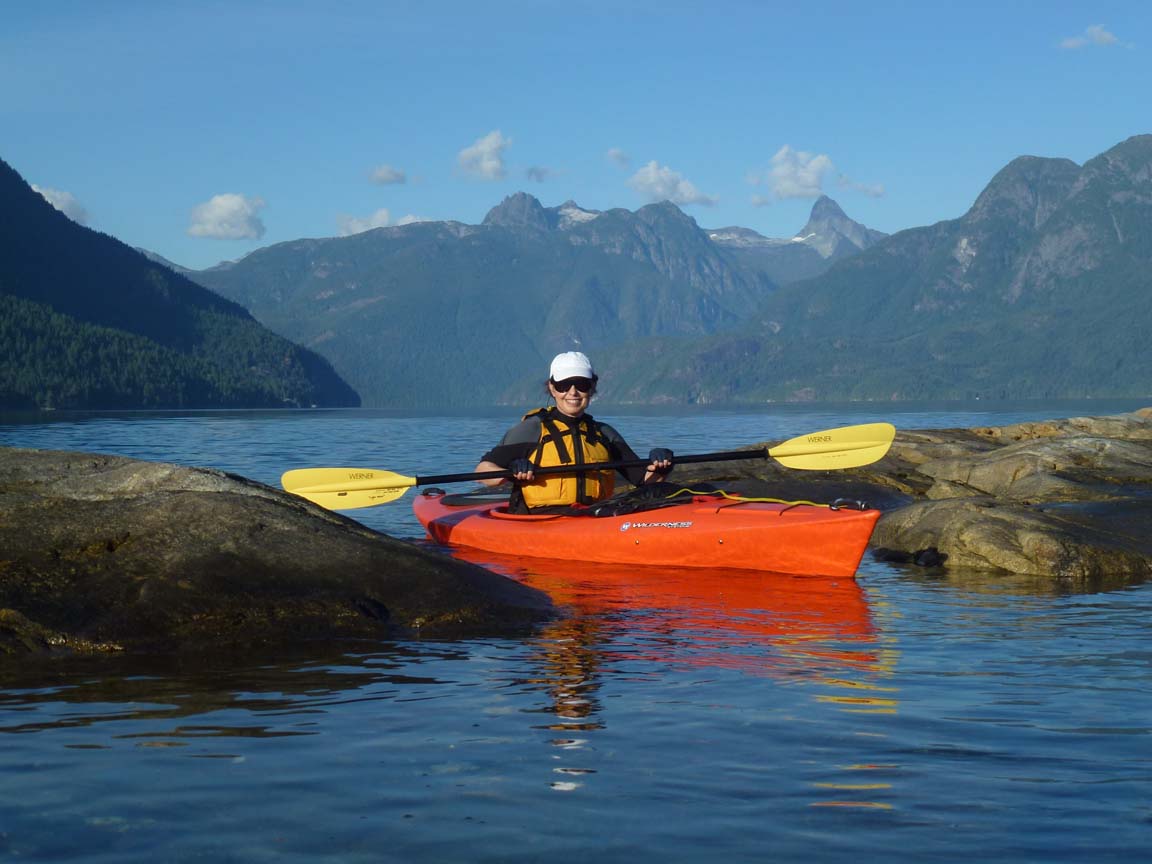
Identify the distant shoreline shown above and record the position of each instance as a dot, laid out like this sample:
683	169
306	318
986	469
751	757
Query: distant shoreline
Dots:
1063	407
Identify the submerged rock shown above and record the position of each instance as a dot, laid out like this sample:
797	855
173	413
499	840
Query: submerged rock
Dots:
1065	501
108	553
986	534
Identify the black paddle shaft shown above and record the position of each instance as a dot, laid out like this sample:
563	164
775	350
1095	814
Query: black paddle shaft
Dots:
730	456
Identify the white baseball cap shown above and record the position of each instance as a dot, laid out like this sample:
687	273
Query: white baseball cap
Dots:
571	364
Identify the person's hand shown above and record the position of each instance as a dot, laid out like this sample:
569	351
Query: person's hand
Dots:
521	470
660	461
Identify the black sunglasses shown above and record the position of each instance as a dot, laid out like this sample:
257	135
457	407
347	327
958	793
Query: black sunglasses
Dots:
584	385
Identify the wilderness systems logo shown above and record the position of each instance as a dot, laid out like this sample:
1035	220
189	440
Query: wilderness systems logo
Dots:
628	526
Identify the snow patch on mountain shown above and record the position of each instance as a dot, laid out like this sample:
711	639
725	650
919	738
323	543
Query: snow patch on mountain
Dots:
570	213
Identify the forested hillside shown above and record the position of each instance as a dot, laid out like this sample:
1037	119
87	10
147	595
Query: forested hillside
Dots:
87	322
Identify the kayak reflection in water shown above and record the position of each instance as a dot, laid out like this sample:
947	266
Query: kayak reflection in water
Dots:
566	434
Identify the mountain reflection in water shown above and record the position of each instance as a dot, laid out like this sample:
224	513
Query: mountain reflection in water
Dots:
267	696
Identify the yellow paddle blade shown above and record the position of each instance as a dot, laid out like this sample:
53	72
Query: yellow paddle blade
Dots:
346	488
845	447
343	480
351	500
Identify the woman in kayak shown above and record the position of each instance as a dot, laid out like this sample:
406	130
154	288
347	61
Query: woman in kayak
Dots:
565	434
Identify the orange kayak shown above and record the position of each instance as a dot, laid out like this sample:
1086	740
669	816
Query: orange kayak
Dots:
705	531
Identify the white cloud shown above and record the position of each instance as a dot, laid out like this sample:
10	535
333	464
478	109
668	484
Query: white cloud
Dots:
799	174
228	217
618	156
65	202
386	175
356	225
539	173
350	225
1094	35
660	183
485	157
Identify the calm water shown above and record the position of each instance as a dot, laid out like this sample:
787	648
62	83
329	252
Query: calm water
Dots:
672	717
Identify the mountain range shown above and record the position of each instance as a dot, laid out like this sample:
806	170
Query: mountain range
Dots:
1040	290
442	313
828	236
87	322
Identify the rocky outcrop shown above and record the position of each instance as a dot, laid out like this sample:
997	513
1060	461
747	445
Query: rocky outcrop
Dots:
1067	503
104	553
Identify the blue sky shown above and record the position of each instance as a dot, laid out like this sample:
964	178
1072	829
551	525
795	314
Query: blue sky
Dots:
205	130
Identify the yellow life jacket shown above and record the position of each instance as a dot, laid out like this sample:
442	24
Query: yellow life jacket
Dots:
567	442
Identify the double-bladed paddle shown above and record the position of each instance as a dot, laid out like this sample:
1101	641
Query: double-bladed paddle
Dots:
350	488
